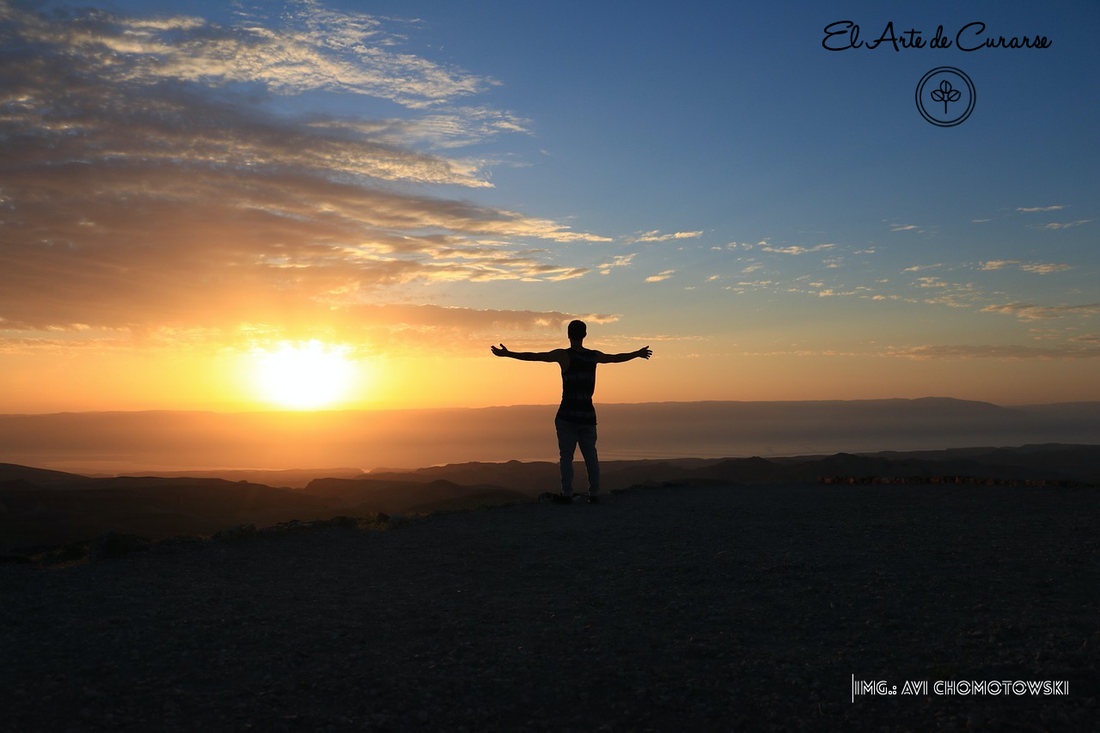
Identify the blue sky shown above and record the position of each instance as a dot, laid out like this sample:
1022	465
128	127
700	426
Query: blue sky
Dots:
703	177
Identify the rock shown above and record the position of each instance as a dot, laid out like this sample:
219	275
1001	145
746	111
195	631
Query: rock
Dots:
175	544
74	552
110	545
344	522
240	532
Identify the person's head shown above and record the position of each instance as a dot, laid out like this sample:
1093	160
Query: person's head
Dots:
577	330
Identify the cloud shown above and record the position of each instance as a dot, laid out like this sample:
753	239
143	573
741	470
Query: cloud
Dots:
123	246
996	352
452	128
660	276
616	261
801	353
796	250
1045	268
952	300
904	227
1054	225
144	188
1033	312
379	329
469	320
91	88
1036	209
313	49
656	236
918	268
998	264
1036	267
745	245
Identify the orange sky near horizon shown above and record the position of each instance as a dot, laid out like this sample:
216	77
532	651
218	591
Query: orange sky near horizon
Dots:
328	205
238	381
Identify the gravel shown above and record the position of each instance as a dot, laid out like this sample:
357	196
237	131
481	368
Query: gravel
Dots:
703	608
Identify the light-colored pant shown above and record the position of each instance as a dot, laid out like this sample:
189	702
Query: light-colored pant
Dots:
570	435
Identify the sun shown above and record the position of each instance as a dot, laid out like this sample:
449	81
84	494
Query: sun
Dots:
304	376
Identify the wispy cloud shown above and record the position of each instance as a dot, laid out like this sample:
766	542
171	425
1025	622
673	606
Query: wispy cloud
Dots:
148	187
660	276
745	245
953	300
998	264
386	329
453	128
1039	268
1033	312
313	48
616	261
656	236
797	250
1054	225
996	352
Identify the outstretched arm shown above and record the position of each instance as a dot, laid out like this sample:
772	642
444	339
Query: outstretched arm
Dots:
643	353
557	355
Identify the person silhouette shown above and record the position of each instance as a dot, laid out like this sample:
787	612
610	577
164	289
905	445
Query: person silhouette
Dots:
575	421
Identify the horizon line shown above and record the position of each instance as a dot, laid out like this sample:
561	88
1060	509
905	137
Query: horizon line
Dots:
547	405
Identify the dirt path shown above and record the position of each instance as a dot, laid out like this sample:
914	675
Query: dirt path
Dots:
711	608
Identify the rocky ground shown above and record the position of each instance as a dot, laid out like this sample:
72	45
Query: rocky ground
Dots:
690	608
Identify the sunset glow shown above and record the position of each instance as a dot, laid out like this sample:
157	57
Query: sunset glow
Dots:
181	181
650	329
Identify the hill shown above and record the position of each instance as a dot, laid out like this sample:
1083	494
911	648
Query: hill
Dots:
39	508
40	477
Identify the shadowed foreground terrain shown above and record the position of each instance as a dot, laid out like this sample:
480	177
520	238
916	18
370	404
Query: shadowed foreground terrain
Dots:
40	508
704	608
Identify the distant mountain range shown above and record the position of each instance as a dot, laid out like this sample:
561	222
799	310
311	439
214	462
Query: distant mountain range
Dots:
40	507
128	442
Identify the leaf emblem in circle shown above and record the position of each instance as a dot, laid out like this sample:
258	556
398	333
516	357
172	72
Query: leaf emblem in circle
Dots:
945	94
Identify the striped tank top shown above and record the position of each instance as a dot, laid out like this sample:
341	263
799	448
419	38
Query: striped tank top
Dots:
578	382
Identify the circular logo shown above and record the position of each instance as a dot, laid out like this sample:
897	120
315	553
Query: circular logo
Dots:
945	96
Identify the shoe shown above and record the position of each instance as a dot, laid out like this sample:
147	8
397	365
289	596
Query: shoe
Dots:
562	499
593	499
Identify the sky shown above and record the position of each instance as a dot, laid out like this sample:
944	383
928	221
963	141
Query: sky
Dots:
342	204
